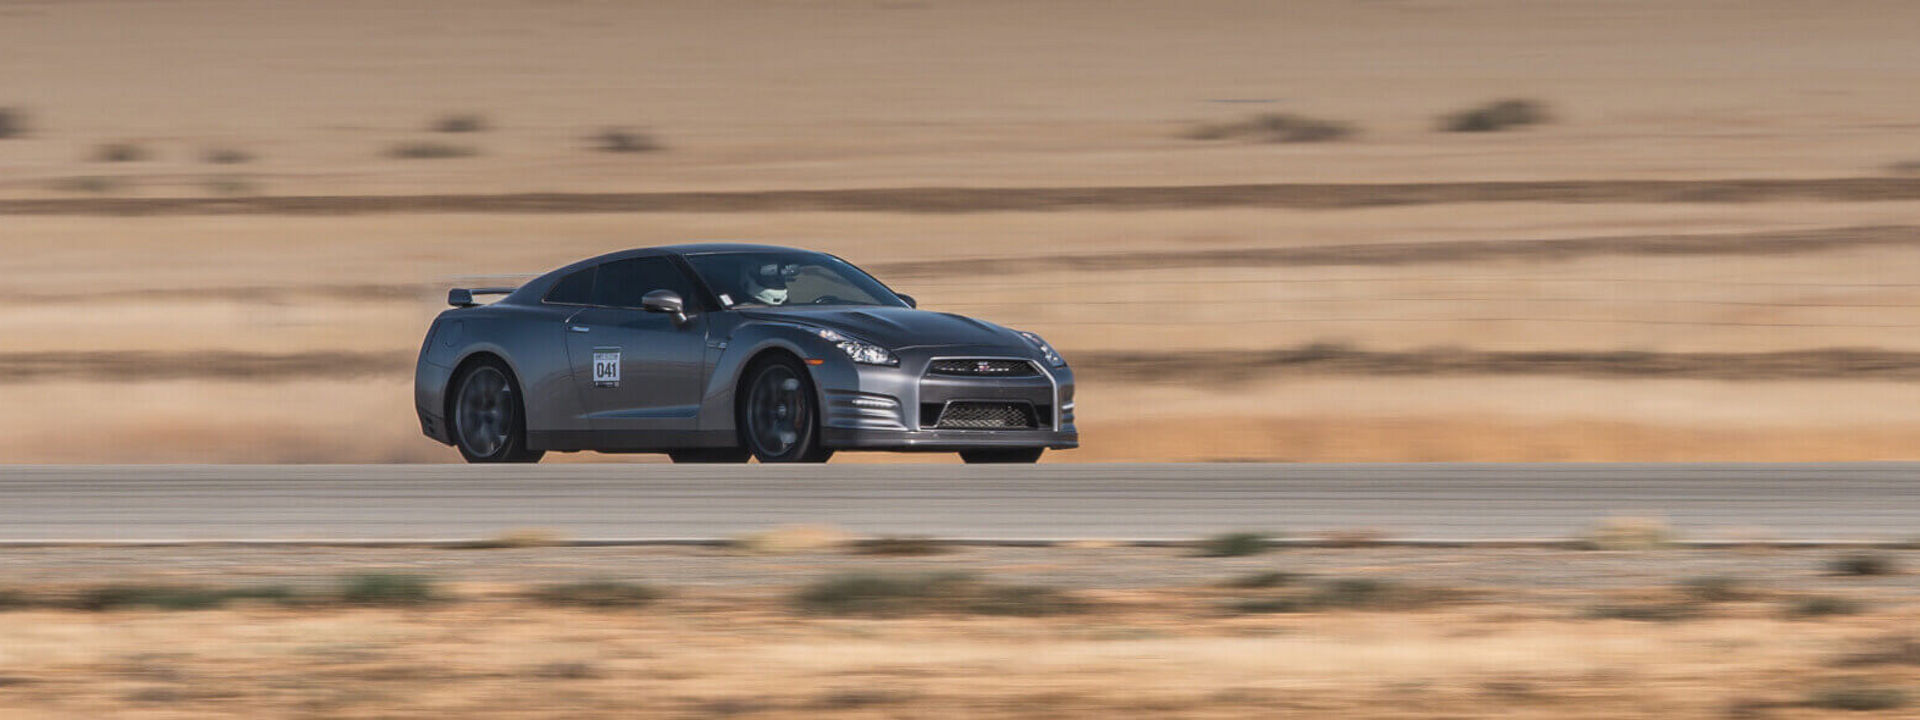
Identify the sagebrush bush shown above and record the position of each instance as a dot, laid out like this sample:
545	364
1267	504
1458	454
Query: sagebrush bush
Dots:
1263	580
425	150
13	122
1275	128
900	594
1862	564
597	594
1858	696
1823	606
121	152
460	123
1496	116
87	184
1235	544
904	545
387	589
226	156
172	597
623	140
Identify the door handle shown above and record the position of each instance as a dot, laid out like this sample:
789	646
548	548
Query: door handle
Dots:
579	328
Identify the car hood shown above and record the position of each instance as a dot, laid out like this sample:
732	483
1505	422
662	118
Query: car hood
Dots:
895	327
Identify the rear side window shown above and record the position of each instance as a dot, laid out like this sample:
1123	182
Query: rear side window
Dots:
575	289
622	283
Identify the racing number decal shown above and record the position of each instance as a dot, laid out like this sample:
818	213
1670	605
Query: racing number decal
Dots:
606	367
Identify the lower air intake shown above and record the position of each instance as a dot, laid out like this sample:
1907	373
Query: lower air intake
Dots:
986	416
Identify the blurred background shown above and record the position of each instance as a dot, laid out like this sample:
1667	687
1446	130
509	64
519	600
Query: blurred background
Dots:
1316	230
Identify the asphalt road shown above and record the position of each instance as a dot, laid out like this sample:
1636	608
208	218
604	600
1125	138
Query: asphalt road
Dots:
1800	502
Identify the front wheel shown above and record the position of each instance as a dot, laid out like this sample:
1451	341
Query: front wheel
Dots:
1013	455
779	420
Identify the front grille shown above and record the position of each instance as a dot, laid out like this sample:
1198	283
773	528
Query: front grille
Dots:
982	368
984	416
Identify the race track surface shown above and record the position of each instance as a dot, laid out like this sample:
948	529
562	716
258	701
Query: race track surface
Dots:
1789	502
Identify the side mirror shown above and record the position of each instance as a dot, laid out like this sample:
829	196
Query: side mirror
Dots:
912	303
665	301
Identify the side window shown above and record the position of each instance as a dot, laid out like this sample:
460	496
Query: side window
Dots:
575	289
623	282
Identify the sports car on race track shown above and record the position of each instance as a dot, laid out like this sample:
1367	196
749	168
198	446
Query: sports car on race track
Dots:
721	352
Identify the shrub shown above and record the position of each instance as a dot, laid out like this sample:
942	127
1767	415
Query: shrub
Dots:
518	538
878	594
622	140
1861	564
597	594
899	546
1857	695
1890	650
1629	533
1714	589
231	186
1235	544
431	151
226	156
14	600
1271	605
1023	600
169	597
121	152
13	122
1496	116
1263	580
892	595
386	589
87	184
1822	606
460	123
1645	612
1274	128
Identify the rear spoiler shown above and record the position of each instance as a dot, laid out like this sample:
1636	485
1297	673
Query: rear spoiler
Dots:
463	297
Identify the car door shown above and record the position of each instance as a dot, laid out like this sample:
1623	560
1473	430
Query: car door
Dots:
637	370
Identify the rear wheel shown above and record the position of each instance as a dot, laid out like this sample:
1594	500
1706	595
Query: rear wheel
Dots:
1008	455
700	456
489	419
778	419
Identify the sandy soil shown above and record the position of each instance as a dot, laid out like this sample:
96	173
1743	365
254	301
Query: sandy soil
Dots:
1516	636
1717	178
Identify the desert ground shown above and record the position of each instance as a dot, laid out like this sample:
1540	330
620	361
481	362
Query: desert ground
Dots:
1094	632
1721	195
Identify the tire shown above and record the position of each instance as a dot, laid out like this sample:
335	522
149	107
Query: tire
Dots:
776	414
488	419
999	455
709	456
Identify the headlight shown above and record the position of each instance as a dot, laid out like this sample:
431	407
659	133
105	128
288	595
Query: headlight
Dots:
1046	351
859	351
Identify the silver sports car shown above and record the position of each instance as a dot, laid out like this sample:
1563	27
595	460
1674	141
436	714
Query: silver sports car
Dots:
721	352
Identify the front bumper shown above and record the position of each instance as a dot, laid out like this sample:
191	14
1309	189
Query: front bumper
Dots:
898	408
946	440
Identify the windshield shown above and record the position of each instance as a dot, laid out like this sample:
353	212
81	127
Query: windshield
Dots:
769	278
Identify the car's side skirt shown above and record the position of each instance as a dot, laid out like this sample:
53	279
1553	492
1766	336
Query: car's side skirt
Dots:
619	441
